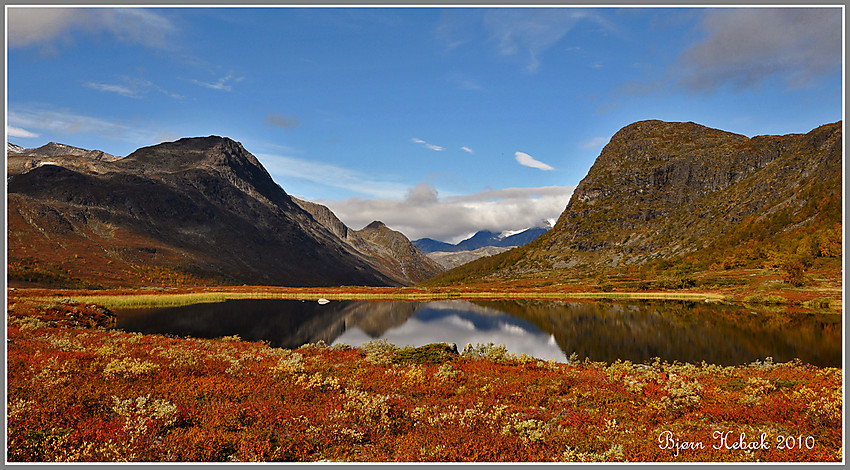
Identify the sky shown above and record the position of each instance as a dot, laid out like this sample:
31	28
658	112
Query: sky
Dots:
437	121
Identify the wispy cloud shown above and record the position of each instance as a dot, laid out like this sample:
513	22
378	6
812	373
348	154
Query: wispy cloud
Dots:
436	148
62	122
18	132
331	175
113	88
282	121
48	26
422	212
467	149
525	159
130	87
532	31
223	83
745	46
465	82
742	48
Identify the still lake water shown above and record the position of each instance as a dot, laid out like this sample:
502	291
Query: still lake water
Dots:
602	331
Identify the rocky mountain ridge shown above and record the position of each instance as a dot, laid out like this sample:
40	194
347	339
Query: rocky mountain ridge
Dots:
396	255
21	160
197	210
53	149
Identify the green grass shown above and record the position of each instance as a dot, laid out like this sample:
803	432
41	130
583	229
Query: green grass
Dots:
766	299
176	300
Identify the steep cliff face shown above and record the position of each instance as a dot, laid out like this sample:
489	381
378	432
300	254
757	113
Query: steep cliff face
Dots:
663	189
196	209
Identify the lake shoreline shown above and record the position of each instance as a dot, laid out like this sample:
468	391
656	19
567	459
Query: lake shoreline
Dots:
820	299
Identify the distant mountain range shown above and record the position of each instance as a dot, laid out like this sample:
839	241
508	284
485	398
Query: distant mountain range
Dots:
195	211
482	243
482	239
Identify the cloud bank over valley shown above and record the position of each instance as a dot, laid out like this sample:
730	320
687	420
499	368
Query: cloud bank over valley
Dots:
424	213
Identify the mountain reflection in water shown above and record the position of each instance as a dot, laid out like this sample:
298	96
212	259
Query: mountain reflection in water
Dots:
636	331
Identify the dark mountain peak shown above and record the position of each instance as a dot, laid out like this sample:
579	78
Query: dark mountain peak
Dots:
191	152
196	156
375	225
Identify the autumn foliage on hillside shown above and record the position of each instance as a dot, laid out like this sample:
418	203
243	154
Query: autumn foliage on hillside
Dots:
85	393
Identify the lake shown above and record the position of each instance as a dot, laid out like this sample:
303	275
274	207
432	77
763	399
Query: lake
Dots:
602	331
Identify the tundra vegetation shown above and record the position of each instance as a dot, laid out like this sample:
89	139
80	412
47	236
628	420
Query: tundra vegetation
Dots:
81	391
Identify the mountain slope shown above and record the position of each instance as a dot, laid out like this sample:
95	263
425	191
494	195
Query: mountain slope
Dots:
395	251
53	149
662	190
20	160
195	210
391	252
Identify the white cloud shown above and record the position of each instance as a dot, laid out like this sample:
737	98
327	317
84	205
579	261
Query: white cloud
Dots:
18	132
423	213
112	88
525	159
220	84
130	87
46	26
330	175
436	148
467	149
592	143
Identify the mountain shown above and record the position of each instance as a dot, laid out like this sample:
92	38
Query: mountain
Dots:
482	243
53	149
665	190
429	245
391	251
20	160
198	210
481	239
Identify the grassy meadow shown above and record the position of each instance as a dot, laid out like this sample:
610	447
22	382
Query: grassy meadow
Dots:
79	390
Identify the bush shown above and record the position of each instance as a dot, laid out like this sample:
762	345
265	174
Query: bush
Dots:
793	271
435	353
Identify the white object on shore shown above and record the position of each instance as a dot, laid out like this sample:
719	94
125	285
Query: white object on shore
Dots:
324	301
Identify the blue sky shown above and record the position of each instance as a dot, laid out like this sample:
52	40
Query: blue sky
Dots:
437	121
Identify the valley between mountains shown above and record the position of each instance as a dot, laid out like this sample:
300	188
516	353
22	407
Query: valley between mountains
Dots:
672	213
667	207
